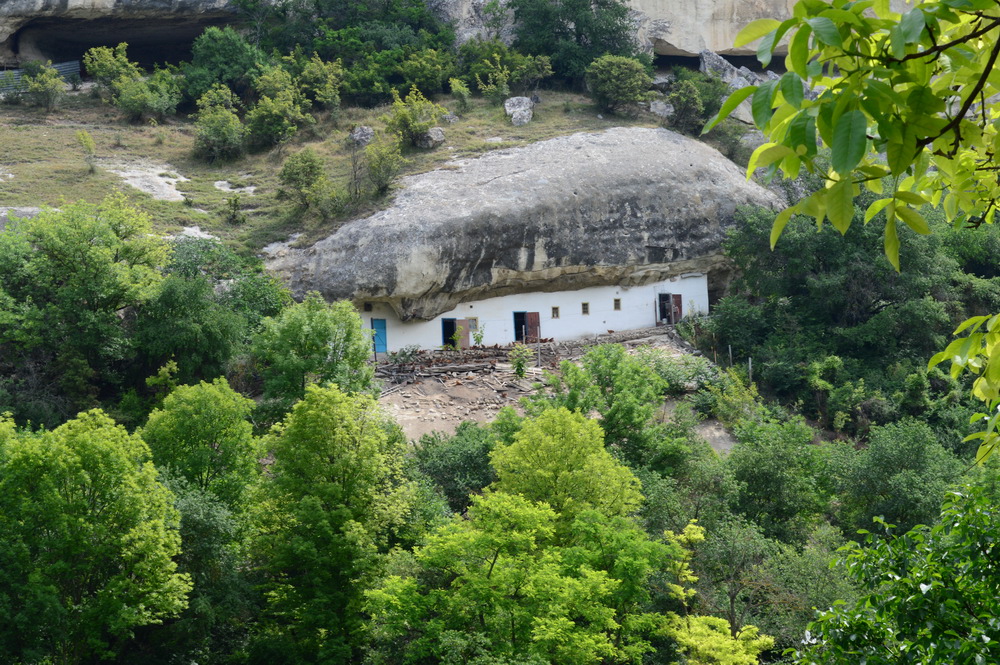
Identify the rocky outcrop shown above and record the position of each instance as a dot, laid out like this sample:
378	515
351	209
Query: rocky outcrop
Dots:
664	27
627	206
63	29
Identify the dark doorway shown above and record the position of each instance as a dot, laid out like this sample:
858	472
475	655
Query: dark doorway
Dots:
663	307
520	325
448	327
669	307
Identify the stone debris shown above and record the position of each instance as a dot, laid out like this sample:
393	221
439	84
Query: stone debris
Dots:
226	186
521	117
661	109
519	109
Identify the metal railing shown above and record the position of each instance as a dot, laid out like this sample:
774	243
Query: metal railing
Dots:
65	69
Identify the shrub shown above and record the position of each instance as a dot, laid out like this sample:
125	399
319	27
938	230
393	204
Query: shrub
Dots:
219	133
320	82
460	93
385	161
617	82
107	65
412	116
427	70
86	142
11	89
519	355
302	173
221	55
496	87
275	120
157	96
44	87
689	111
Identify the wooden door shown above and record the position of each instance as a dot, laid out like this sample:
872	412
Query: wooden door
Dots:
677	313
534	327
379	338
463	333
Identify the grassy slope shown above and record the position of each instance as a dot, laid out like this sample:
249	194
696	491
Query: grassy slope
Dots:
42	153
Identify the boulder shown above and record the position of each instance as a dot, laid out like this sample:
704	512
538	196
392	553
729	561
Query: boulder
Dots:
432	138
362	135
514	104
662	82
661	109
625	206
521	117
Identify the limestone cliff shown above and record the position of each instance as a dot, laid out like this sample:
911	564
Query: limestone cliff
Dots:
64	29
626	206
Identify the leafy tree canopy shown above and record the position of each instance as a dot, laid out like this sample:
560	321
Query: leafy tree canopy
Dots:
87	540
912	87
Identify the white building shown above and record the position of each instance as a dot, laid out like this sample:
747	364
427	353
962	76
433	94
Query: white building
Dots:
561	315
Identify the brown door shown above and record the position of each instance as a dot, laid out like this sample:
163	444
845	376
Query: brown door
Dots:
534	327
676	313
463	333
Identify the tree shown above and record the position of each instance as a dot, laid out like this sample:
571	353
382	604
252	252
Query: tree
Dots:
185	322
314	342
88	535
617	82
201	434
559	457
44	86
221	56
66	274
928	595
107	65
336	492
573	33
219	132
623	389
459	464
910	86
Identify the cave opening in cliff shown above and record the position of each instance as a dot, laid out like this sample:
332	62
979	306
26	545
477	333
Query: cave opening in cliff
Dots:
149	42
665	62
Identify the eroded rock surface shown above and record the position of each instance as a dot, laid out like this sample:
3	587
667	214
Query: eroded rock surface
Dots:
626	206
64	29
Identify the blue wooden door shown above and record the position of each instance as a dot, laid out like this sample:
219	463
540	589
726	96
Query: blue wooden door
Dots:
378	325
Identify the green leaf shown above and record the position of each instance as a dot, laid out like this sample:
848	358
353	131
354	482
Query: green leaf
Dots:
911	197
755	30
849	142
914	220
779	224
826	31
899	155
798	52
791	89
767	154
761	103
911	25
875	208
840	205
802	133
728	106
892	239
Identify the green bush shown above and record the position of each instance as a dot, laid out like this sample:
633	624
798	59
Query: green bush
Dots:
496	86
689	110
302	173
617	82
155	97
43	86
461	94
221	55
219	133
384	162
107	65
427	70
412	116
275	120
459	464
320	82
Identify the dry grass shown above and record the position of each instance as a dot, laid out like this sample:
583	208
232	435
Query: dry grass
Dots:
48	166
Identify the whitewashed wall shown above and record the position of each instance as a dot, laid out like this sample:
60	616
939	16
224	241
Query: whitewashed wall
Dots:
496	315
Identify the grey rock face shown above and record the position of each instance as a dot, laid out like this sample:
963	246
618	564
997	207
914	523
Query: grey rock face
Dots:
662	82
626	206
362	135
521	117
515	104
29	28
